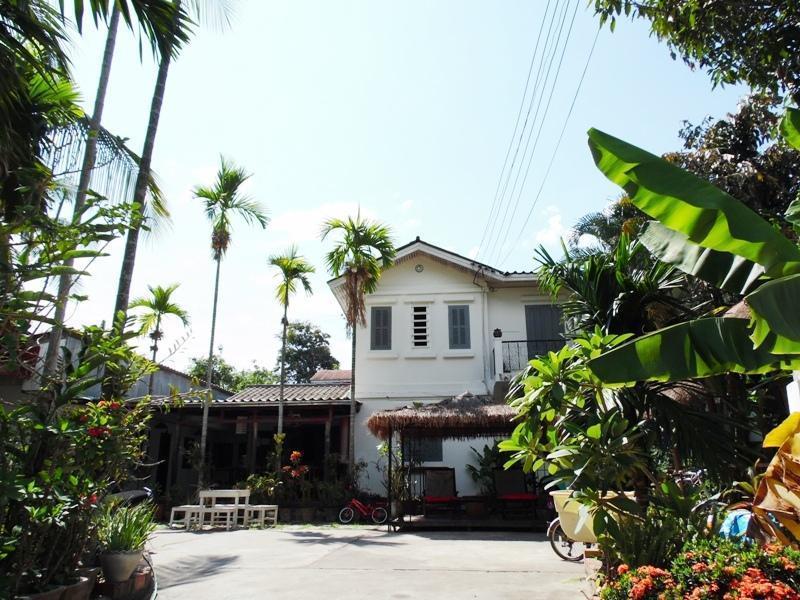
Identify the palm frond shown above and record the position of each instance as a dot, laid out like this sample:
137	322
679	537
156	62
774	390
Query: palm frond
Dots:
294	269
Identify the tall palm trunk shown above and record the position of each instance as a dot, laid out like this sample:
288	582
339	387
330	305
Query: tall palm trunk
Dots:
156	336
89	156
140	190
209	373
283	368
352	428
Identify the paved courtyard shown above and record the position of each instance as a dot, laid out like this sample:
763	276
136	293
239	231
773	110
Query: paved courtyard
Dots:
341	562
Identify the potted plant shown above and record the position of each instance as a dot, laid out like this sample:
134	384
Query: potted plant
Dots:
122	534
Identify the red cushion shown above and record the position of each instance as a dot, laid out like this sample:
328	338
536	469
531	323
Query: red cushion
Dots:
519	496
440	499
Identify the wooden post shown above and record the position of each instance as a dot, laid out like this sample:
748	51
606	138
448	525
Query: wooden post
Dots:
327	453
389	487
251	455
174	454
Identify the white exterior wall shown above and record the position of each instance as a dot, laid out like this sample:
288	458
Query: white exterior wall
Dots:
387	379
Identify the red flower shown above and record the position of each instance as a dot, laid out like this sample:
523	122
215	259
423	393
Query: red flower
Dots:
83	418
98	431
622	569
295	456
700	567
286	469
114	405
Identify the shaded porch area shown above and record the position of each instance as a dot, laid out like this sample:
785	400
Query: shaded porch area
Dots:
428	497
241	429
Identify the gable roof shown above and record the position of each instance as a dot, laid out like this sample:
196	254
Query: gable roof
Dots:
417	247
297	394
332	376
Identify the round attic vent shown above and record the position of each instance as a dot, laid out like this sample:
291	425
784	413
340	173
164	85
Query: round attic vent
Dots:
419	268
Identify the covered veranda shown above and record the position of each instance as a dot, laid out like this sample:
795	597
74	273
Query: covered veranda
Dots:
463	417
240	435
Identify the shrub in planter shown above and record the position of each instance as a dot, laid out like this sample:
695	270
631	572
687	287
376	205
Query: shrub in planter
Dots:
122	532
714	568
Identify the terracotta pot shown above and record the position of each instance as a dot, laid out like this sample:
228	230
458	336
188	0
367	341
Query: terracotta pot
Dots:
119	566
79	591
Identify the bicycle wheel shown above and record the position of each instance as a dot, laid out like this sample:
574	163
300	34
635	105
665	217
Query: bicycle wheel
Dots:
346	515
564	546
379	515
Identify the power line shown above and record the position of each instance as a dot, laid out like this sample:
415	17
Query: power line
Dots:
555	149
508	218
516	125
492	223
502	239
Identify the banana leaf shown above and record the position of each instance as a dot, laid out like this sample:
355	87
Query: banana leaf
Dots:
683	202
721	269
790	127
693	349
775	319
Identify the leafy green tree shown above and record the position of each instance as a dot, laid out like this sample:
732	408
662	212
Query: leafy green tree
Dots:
364	250
156	306
604	228
743	155
224	202
228	376
754	42
307	351
294	271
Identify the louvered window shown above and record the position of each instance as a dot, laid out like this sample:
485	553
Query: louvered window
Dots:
381	331
419	325
458	325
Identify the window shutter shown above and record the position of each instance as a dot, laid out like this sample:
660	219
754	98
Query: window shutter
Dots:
381	328
458	324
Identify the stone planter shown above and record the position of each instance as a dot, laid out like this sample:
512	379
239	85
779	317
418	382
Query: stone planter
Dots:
119	566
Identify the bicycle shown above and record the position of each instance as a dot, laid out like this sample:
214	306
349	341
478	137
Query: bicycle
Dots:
377	513
564	546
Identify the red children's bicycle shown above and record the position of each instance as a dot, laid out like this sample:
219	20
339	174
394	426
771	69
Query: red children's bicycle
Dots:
375	512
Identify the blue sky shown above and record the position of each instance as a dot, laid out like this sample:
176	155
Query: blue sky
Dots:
402	109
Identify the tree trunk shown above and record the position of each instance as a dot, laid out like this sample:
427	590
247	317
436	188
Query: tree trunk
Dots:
140	190
89	155
209	373
156	333
352	440
283	369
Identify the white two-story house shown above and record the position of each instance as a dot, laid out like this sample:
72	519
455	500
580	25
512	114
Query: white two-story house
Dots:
438	325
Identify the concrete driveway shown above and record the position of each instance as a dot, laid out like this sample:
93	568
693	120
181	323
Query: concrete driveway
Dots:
360	562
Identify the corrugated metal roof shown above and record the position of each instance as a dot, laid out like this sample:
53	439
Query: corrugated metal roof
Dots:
296	393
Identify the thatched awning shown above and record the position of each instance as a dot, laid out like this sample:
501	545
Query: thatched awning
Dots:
463	416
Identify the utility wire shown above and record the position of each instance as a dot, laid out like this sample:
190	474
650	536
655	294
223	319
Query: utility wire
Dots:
516	125
508	217
555	150
498	199
501	240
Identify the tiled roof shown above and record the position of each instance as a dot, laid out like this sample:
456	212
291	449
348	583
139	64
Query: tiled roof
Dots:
293	393
330	375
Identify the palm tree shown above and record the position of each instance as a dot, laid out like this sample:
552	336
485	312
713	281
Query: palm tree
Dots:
157	305
140	188
365	249
293	270
223	202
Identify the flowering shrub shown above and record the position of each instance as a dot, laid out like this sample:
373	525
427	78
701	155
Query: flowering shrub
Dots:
716	568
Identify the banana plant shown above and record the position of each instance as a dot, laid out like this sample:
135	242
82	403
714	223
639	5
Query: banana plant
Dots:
707	233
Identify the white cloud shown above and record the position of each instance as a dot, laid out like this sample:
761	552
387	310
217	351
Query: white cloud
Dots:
406	205
304	225
550	235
